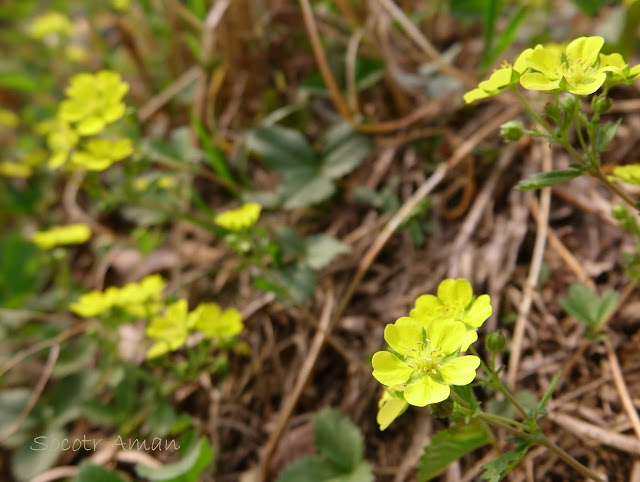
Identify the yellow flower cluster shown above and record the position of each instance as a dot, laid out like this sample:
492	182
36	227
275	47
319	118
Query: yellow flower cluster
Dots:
140	300
171	329
54	28
62	235
93	102
239	219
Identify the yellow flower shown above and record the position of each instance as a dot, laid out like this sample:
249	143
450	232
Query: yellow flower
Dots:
94	303
76	53
61	140
170	330
94	100
424	361
121	5
209	319
8	118
239	219
15	169
101	153
501	80
391	406
62	235
49	24
144	298
575	70
629	173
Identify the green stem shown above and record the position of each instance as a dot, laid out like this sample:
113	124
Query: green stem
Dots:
576	119
542	440
496	383
598	174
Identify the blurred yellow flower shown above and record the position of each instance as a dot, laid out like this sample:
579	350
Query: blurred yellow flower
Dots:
15	169
94	100
101	153
239	219
50	23
8	118
62	235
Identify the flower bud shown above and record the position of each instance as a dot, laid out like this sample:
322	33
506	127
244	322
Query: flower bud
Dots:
442	409
495	342
568	104
601	104
512	130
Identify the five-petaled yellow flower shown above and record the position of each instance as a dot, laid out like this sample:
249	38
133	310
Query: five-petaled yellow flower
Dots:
575	70
425	360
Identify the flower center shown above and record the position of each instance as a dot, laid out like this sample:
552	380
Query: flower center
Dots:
424	358
575	72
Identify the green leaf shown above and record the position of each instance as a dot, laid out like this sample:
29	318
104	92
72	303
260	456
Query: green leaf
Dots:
547	394
309	469
362	473
508	35
338	439
545	179
161	419
590	7
20	270
368	72
37	455
215	157
293	282
498	468
188	469
304	188
75	356
449	445
608	303
20	82
281	149
96	473
321	249
606	133
345	149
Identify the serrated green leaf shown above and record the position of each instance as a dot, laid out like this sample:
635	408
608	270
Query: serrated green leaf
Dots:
449	445
304	188
321	249
608	303
309	469
545	179
338	439
495	470
282	150
581	303
606	133
96	473
188	469
344	150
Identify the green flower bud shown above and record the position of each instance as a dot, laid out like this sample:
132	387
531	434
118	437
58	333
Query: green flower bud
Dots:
568	104
601	104
442	409
495	342
512	130
553	112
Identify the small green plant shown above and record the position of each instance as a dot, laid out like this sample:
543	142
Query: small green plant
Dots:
341	449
